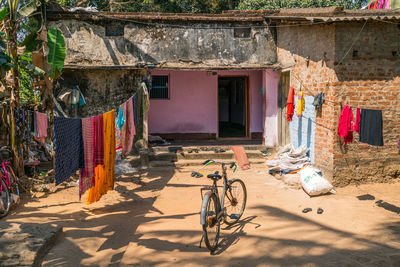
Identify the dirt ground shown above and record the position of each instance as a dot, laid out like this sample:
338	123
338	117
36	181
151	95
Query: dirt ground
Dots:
152	219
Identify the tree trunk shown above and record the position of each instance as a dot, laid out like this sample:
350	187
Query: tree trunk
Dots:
16	145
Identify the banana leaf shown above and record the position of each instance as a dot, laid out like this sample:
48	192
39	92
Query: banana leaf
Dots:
56	57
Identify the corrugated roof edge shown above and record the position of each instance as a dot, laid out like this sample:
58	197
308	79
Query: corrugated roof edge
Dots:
97	16
323	14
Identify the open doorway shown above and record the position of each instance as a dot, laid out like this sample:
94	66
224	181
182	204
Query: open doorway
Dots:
232	107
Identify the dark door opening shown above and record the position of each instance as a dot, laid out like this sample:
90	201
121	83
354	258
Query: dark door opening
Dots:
232	106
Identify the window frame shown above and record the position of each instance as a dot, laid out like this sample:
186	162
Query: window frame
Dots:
168	87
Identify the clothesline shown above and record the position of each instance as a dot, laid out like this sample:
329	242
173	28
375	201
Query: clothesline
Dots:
102	113
335	102
74	117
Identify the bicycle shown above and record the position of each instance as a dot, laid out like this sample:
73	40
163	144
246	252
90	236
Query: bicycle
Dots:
213	209
9	190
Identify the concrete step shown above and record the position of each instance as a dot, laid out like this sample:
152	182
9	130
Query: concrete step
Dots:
228	155
186	149
191	162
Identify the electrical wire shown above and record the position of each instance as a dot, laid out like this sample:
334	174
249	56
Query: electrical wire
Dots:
354	41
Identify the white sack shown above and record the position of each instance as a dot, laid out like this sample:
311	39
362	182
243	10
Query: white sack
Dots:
313	183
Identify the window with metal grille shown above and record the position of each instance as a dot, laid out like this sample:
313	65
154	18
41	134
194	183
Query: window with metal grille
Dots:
159	87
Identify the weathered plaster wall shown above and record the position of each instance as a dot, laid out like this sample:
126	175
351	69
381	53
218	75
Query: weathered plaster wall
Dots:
309	52
205	44
270	108
369	80
302	129
103	89
192	106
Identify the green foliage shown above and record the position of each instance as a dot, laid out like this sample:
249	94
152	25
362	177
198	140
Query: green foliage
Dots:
6	62
56	57
165	6
26	91
279	4
3	13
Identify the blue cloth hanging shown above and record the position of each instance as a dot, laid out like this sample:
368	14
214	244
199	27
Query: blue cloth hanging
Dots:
121	118
68	146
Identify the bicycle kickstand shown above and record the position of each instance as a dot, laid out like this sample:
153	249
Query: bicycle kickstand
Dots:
202	237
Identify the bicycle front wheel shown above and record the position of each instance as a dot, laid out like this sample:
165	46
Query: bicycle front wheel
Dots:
5	199
235	201
212	224
14	189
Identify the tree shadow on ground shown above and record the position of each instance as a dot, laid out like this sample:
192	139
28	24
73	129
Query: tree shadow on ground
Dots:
298	246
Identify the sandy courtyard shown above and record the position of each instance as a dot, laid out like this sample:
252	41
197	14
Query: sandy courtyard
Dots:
152	219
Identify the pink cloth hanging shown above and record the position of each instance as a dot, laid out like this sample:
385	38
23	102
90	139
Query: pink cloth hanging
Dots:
129	130
86	175
387	4
40	126
131	125
345	129
98	144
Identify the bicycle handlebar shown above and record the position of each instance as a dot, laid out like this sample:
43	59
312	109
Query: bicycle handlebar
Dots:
232	163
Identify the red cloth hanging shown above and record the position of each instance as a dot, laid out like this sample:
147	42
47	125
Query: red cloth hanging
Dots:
290	105
346	120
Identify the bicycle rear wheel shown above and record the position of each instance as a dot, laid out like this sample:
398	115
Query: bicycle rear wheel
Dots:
5	198
212	224
235	201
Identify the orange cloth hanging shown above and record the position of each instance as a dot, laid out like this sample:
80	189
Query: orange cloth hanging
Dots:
104	174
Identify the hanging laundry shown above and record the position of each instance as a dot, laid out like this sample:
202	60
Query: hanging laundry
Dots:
69	150
356	127
65	96
104	174
371	125
135	107
26	135
319	100
345	129
19	118
121	118
86	175
130	126
381	4
124	136
40	126
77	97
118	140
300	104
98	145
290	105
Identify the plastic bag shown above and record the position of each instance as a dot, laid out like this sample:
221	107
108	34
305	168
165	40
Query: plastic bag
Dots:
313	183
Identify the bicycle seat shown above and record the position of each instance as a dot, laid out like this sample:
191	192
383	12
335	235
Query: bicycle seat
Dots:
215	176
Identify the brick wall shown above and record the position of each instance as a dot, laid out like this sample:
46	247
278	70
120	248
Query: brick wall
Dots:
367	78
309	52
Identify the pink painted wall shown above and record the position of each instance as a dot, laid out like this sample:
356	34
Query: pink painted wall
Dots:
193	103
270	108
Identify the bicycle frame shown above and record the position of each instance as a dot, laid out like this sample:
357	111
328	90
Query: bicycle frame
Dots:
214	190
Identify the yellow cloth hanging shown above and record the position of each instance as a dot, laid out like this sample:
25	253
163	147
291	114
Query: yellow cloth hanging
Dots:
300	104
104	174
